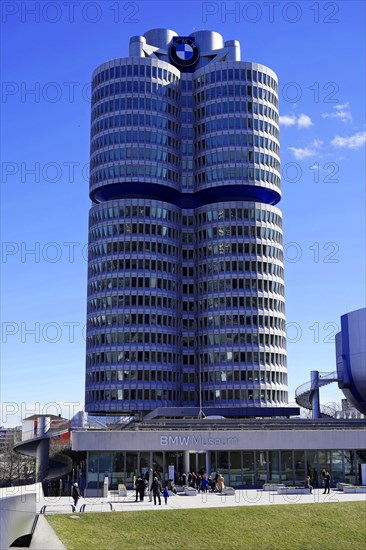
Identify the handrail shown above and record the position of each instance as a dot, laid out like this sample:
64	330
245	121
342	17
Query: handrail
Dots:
331	376
327	377
82	508
303	389
43	509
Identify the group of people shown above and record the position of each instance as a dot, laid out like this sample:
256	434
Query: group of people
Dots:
151	483
325	482
204	483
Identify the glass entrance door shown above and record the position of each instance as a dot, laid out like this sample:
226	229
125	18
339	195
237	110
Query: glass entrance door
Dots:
197	461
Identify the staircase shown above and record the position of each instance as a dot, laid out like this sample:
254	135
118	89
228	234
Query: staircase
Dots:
304	393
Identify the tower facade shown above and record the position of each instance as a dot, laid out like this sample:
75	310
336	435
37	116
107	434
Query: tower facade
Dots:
185	278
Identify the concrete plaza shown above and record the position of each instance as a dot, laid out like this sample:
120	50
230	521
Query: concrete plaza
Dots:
242	497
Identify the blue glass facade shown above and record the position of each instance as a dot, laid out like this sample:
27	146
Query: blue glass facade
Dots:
185	282
351	358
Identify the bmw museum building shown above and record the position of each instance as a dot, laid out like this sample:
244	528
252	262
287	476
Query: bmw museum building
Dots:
186	365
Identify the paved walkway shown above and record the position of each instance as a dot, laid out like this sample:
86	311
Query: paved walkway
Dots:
242	497
45	538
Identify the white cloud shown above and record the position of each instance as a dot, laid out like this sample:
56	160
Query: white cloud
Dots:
317	143
301	121
342	106
307	152
352	142
304	121
303	152
287	120
342	112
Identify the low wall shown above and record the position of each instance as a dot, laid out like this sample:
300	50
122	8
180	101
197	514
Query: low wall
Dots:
18	509
190	491
347	489
93	493
272	486
293	491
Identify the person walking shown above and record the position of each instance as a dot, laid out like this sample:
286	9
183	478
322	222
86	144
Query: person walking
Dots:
204	483
156	489
326	483
141	486
220	483
198	482
137	488
217	475
76	494
166	495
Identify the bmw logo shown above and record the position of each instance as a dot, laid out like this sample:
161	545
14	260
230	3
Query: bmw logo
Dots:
184	51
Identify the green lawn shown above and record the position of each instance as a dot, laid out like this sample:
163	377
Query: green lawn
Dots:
284	527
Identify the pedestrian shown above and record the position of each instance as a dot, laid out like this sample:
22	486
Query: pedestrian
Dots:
166	495
204	483
217	475
198	482
307	484
136	489
220	483
156	489
141	486
76	494
326	483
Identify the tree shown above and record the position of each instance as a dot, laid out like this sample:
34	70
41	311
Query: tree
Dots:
16	469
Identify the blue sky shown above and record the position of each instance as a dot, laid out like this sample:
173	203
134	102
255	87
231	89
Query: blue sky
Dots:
49	51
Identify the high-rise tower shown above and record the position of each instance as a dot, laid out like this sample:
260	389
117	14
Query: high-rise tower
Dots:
185	283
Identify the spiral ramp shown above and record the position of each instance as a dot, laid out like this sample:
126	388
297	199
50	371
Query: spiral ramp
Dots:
307	395
40	442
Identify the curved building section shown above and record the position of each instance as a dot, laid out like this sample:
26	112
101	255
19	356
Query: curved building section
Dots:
240	302
351	358
236	130
135	127
133	325
185	282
